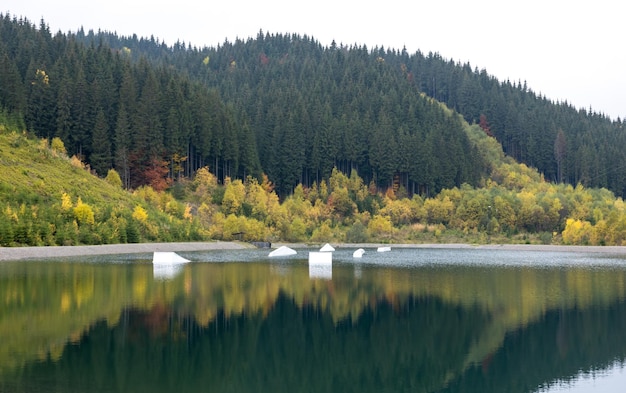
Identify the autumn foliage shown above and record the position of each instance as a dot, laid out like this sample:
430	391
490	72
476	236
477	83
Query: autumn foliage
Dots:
517	205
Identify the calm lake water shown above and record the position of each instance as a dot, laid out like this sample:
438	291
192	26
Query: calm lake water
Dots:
409	320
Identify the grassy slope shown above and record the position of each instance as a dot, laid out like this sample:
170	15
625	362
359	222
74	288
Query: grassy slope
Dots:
31	172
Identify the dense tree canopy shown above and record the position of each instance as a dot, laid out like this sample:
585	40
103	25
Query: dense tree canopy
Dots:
150	122
286	106
282	105
353	85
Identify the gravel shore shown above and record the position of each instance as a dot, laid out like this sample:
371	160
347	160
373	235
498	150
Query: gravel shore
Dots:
21	253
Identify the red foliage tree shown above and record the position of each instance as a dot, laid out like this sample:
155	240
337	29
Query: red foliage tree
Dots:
484	124
264	59
155	174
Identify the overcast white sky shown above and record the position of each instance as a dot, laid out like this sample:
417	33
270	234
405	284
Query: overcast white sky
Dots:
565	49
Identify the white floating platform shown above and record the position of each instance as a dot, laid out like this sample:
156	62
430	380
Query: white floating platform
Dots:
383	249
167	258
327	248
358	253
282	252
320	258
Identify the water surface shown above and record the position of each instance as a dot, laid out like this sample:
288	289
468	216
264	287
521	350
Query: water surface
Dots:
415	320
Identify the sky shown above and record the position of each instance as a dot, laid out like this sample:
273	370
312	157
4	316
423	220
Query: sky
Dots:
566	50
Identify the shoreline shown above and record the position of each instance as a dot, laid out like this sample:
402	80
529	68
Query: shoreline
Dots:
45	252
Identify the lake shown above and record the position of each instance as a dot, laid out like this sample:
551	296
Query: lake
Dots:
408	320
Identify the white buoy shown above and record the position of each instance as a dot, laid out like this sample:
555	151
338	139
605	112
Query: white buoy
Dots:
358	253
327	248
383	249
282	252
167	258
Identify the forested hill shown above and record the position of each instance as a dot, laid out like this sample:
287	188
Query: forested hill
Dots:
286	106
566	144
293	112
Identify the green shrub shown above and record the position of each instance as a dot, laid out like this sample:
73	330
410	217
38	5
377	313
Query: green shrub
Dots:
357	233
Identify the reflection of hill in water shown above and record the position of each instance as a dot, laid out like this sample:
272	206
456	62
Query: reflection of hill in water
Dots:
290	349
47	304
420	347
558	347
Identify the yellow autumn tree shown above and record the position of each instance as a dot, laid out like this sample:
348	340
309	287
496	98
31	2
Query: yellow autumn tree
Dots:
357	187
323	233
83	213
234	195
295	230
242	228
439	211
140	214
57	146
204	183
296	204
504	212
113	178
530	214
577	232
66	202
232	227
402	211
341	203
380	227
256	199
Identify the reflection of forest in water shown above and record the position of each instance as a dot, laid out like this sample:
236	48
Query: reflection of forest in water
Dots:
239	326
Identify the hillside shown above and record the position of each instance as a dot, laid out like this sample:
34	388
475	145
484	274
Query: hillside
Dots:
566	144
50	199
285	106
293	119
32	172
280	139
47	198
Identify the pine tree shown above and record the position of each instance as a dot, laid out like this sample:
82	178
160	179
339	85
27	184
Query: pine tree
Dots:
64	110
100	157
148	148
122	141
83	116
40	111
11	87
248	154
560	151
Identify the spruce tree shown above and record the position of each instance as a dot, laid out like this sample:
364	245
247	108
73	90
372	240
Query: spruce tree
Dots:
100	157
122	144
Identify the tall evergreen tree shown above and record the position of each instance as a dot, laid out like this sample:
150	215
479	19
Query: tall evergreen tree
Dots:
248	154
100	157
122	144
560	152
11	87
64	109
83	116
40	111
148	148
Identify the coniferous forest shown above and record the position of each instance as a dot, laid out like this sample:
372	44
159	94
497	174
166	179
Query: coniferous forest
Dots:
566	144
288	107
344	129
